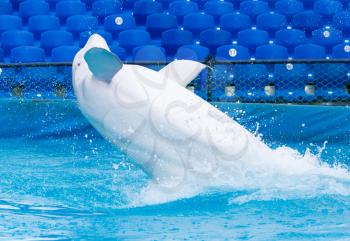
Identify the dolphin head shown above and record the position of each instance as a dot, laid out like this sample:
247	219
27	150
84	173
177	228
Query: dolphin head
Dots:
95	60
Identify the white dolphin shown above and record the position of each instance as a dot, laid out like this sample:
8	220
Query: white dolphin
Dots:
169	131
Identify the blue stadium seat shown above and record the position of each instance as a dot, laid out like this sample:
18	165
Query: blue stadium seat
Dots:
118	51
253	8
79	23
130	39
244	75
68	8
174	38
271	51
182	8
197	22
234	22
218	8
33	7
232	52
292	75
103	8
64	53
2	55
290	37
41	23
15	38
341	21
213	38
27	54
149	53
5	8
307	20
84	36
252	38
309	51
341	51
193	52
119	22
8	22
166	3
289	7
327	8
55	38
327	36
158	22
143	8
271	22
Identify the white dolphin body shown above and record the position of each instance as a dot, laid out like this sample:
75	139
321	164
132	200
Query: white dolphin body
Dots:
169	131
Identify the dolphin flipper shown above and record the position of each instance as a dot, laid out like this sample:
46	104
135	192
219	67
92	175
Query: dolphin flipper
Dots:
182	71
102	63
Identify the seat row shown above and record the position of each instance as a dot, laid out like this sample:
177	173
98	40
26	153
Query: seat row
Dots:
144	7
152	53
174	38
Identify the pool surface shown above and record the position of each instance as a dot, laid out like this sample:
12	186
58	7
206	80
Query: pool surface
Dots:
59	180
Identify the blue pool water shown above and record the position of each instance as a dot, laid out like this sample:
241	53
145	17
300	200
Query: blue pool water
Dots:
59	180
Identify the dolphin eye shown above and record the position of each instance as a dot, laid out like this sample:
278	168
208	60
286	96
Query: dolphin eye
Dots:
78	64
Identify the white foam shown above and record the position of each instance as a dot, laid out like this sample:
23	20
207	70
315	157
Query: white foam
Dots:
282	174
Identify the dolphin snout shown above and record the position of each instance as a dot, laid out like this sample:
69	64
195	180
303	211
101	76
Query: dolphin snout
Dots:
96	40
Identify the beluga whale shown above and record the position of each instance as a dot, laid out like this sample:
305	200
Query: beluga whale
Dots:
170	132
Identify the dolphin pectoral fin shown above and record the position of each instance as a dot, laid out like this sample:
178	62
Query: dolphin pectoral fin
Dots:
182	71
102	63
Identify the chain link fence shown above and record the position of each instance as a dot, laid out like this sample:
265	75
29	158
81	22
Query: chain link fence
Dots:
245	81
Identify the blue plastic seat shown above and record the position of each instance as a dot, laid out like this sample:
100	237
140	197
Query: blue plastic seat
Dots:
290	80
234	22
64	53
341	51
55	38
193	52
197	22
253	8
5	8
174	38
252	38
309	51
41	23
130	39
289	7
27	54
218	8
103	8
119	22
271	51
68	8
33	7
166	3
84	36
8	22
182	8
143	8
307	20
213	38
149	53
158	22
79	23
290	37
327	36
327	8
15	38
232	52
271	22
341	21
248	76
119	51
2	55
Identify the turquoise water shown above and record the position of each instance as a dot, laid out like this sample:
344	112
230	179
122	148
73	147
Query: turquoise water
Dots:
59	180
